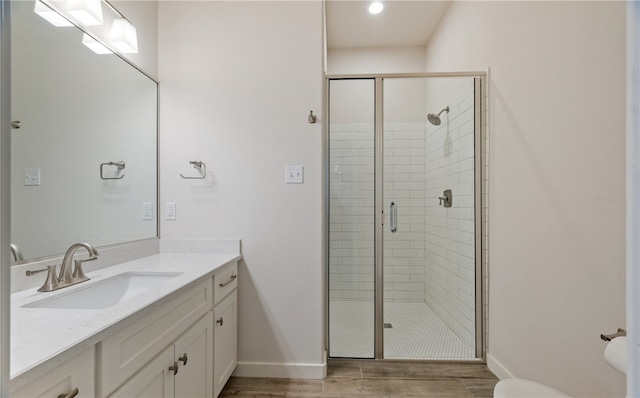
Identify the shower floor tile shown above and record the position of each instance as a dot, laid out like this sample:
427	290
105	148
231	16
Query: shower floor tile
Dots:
416	332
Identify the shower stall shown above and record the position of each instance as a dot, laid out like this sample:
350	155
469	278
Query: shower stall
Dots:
404	216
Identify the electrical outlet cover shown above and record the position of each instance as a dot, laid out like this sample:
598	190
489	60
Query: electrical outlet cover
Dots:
294	174
31	177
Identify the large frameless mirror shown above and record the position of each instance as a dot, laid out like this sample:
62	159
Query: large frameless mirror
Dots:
84	142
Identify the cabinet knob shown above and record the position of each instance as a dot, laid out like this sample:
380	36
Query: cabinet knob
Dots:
183	358
72	394
174	368
220	321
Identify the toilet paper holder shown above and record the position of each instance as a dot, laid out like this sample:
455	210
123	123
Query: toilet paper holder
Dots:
609	337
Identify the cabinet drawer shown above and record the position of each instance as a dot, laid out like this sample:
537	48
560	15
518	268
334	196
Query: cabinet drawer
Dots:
129	349
225	281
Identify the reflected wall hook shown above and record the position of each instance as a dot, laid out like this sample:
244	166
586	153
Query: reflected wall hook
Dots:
119	165
198	164
312	117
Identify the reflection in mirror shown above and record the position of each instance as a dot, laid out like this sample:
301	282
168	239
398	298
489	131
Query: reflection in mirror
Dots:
84	158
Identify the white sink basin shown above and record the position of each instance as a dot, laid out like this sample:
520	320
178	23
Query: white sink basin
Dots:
105	293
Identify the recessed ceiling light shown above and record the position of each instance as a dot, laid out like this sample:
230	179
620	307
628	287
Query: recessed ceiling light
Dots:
376	8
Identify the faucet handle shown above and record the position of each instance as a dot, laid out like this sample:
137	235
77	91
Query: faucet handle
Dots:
78	273
51	283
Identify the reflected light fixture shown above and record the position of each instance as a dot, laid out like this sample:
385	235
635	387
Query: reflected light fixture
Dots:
88	12
376	8
123	36
53	17
94	45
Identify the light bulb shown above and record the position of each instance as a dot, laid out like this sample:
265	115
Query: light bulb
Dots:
376	8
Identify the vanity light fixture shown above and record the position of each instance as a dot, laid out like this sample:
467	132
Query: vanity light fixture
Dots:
94	45
376	7
53	17
123	36
88	12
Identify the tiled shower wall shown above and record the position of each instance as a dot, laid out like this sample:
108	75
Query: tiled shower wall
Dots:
351	211
351	250
450	236
404	184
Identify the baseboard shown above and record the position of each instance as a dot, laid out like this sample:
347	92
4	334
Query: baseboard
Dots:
498	369
281	370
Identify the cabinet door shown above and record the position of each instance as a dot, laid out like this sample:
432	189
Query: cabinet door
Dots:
62	380
155	380
225	341
194	354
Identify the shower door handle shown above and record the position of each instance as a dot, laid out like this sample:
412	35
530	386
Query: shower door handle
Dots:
393	215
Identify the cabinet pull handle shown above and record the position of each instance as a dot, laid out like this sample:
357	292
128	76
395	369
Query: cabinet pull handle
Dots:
72	394
220	321
174	368
233	277
183	358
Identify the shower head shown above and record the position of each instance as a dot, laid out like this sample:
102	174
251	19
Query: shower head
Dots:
435	119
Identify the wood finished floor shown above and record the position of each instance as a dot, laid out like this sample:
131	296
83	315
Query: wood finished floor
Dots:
351	378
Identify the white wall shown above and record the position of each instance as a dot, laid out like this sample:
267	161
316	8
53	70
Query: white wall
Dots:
238	81
557	251
375	60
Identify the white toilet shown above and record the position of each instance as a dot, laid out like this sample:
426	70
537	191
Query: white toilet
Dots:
615	355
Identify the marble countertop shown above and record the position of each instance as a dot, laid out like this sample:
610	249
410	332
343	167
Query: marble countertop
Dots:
45	335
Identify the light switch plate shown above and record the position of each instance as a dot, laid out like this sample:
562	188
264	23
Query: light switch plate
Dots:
294	174
31	177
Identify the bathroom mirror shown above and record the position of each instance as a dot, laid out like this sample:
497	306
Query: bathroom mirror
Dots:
84	158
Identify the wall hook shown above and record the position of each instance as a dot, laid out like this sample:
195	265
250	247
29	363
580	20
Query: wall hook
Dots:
119	165
198	164
312	117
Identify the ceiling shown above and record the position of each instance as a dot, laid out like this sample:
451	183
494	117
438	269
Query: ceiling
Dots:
401	23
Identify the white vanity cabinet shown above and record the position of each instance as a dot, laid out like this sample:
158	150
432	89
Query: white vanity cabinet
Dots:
127	351
183	344
63	380
180	370
225	329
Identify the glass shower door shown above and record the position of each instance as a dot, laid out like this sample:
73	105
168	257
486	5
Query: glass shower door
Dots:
429	248
351	218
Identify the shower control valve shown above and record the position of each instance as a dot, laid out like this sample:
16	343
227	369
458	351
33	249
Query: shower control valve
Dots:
446	199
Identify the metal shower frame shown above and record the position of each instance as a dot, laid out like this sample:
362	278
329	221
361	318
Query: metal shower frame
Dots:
480	93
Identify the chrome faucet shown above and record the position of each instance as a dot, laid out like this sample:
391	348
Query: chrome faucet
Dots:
67	277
